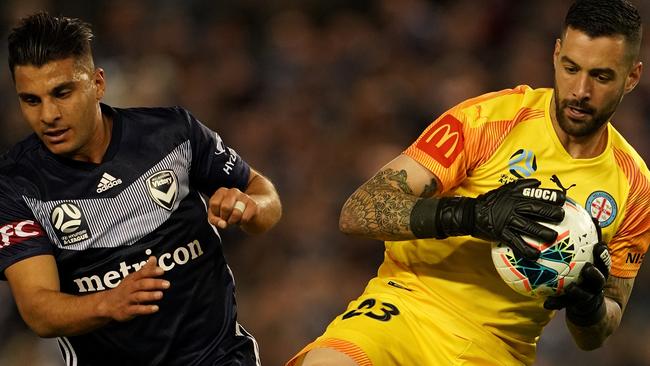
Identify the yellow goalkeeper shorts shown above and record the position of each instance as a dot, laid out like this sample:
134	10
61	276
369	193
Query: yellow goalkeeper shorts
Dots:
392	323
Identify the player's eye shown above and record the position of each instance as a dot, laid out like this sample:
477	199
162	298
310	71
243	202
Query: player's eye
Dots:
29	100
62	94
570	69
603	78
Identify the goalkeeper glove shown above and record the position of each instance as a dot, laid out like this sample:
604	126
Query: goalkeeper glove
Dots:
585	300
501	215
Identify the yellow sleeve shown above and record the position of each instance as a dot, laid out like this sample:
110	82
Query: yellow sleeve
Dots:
466	136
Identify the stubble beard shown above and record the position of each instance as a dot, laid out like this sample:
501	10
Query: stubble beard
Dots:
587	126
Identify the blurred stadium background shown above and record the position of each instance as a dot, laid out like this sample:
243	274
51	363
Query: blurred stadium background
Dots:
317	95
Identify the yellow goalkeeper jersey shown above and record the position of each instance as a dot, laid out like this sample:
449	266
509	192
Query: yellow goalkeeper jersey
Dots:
485	142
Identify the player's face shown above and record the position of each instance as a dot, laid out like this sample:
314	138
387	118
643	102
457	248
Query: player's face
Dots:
60	101
591	77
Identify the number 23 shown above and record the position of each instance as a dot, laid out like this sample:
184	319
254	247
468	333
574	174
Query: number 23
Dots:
387	309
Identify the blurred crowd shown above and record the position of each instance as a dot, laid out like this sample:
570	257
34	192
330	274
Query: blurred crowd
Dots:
317	95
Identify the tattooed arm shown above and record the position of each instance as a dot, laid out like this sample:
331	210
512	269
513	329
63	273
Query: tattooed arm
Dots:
617	294
381	207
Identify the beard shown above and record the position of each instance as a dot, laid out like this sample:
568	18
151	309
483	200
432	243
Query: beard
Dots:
589	125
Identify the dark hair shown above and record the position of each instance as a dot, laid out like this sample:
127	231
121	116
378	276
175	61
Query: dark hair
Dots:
41	38
598	18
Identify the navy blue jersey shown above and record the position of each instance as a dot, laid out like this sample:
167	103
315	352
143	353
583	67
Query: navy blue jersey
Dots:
102	221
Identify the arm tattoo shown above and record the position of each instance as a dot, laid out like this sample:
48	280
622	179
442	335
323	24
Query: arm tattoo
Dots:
619	290
381	208
430	189
617	293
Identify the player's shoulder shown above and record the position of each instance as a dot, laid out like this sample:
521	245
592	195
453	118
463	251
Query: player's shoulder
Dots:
172	123
8	188
627	158
505	105
25	151
518	94
151	114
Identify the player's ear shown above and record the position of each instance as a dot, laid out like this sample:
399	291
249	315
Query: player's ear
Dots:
633	77
556	51
100	83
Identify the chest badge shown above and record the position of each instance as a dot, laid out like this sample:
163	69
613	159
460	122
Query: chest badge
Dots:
163	188
602	206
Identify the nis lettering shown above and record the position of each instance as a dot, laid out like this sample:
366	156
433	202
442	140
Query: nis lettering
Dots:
635	258
167	261
540	193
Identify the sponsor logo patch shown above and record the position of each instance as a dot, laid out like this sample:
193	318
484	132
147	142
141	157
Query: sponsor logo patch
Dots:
163	188
443	141
19	231
70	223
602	206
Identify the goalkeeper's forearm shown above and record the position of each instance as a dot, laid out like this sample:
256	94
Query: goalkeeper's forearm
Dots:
385	213
617	294
382	207
591	337
378	212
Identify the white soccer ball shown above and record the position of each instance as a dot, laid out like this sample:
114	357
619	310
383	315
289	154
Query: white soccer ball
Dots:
559	263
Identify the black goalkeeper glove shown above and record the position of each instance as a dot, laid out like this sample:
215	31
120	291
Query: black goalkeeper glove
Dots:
585	300
501	215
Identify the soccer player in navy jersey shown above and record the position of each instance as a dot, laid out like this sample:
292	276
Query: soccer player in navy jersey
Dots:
110	217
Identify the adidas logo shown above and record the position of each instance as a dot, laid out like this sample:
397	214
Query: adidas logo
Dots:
108	181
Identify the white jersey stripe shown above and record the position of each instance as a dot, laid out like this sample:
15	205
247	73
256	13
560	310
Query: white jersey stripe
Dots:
240	331
73	355
65	353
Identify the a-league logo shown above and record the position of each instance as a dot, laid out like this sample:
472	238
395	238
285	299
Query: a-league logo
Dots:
69	221
163	188
522	163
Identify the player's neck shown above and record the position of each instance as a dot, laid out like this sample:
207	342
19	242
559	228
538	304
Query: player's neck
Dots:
580	147
97	146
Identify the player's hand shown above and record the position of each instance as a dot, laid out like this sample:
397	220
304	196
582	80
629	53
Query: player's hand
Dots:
229	206
514	209
585	300
135	294
502	215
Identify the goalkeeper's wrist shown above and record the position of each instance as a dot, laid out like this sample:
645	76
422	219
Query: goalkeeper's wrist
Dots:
590	317
441	217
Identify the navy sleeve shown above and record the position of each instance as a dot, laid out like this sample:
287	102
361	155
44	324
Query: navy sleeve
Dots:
214	164
21	236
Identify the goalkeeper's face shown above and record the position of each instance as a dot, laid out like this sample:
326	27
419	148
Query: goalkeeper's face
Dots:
591	77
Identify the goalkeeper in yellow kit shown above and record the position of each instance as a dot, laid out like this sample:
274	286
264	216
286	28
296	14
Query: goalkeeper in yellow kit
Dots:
437	298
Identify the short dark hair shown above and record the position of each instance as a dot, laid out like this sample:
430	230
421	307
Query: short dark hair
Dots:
41	38
601	18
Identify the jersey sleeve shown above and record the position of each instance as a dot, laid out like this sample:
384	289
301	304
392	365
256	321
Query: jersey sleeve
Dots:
441	148
466	136
630	243
214	164
21	236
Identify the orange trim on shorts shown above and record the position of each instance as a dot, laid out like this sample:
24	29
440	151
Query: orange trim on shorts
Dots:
348	348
